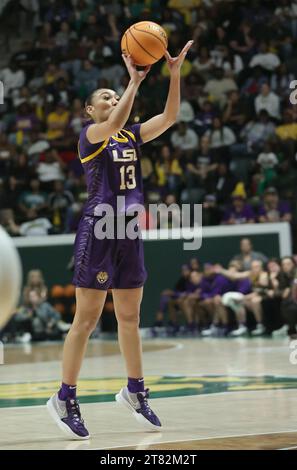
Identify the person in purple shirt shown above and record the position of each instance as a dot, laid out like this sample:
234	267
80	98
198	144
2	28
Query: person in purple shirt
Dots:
212	287
239	212
272	209
108	149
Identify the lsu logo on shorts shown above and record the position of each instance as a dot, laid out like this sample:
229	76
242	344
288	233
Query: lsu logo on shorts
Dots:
102	277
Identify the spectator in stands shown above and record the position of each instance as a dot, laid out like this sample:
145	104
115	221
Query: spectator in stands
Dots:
232	299
221	138
34	282
51	169
33	199
272	209
247	254
269	101
264	58
253	300
12	78
60	205
184	138
239	212
57	121
287	286
212	287
218	87
34	226
168	302
256	133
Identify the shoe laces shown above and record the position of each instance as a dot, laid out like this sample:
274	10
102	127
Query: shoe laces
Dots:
143	400
75	411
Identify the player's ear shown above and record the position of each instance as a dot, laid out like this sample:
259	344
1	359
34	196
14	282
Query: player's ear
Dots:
89	109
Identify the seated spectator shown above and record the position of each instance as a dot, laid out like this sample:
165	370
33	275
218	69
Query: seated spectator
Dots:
188	304
239	212
247	255
64	35
201	167
224	183
34	282
269	101
287	133
272	209
34	198
77	117
86	79
221	138
35	226
168	169
211	214
203	64
280	81
252	301
204	118
264	58
57	121
217	88
12	78
169	213
99	52
256	133
242	40
184	138
50	169
287	286
168	300
235	111
232	299
212	287
60	205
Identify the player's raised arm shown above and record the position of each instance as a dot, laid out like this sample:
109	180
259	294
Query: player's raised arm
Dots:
155	126
119	109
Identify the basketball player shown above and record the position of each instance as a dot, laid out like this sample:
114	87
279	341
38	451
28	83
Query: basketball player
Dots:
109	152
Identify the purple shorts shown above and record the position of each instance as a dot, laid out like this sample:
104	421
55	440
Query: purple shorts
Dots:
105	264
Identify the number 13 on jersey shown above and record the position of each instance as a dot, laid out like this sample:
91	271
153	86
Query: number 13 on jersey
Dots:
128	180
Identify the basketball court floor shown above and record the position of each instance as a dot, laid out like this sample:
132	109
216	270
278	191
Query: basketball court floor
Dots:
208	393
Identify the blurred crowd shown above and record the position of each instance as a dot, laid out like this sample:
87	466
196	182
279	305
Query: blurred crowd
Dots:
253	296
233	148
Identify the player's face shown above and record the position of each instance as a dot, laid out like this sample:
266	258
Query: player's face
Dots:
103	103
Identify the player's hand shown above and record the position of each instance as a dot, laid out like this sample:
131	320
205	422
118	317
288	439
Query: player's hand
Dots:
136	75
175	63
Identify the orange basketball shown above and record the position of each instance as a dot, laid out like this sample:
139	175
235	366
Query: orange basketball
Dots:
145	41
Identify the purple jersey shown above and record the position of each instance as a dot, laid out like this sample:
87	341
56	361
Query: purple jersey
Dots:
112	169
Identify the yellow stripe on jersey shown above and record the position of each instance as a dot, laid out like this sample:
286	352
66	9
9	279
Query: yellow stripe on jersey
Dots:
130	134
93	155
124	139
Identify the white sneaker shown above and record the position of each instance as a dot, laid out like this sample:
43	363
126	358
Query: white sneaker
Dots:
24	338
209	331
138	404
66	415
283	331
62	326
259	330
240	331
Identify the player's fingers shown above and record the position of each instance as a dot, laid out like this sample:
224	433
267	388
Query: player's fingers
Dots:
187	47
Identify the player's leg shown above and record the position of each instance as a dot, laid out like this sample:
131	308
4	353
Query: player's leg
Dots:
89	306
134	396
63	406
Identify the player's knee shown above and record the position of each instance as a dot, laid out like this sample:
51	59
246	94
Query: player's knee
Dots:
86	325
128	318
